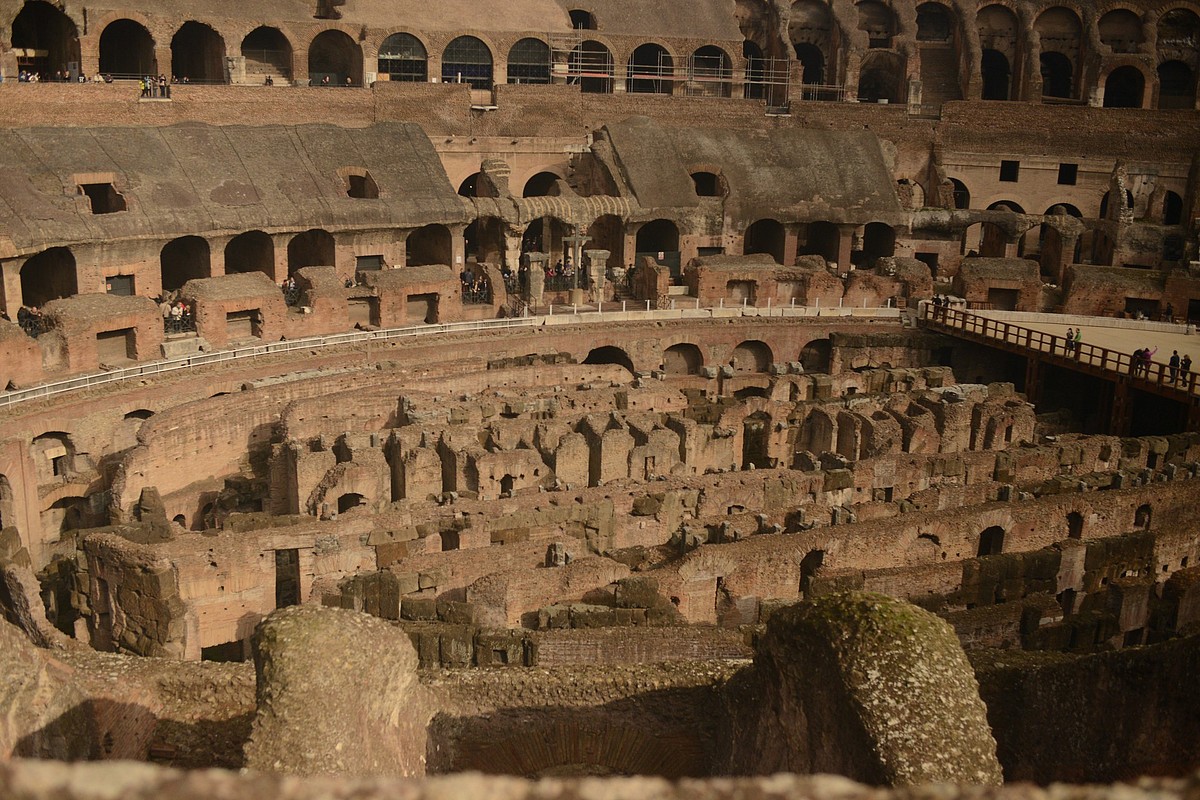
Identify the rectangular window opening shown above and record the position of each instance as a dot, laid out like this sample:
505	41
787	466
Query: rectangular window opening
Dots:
1067	174
1009	171
104	198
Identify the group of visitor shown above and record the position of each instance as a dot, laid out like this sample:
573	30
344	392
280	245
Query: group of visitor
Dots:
291	292
1178	368
1074	338
61	76
156	87
177	316
475	288
31	321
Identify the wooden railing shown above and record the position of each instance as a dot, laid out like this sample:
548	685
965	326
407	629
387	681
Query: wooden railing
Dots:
1154	373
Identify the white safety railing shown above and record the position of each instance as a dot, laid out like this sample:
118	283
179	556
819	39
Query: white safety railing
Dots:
607	313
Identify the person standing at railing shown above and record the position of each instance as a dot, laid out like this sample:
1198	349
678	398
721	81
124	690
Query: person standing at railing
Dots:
1147	360
1078	340
1185	371
1173	366
1070	340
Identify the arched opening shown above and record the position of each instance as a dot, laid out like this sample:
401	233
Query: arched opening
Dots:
184	259
431	244
252	251
139	414
402	58
607	232
752	356
127	50
810	566
933	23
545	235
313	248
1176	85
198	54
334	59
756	441
47	276
984	239
765	236
1075	525
708	184
467	60
582	20
543	184
710	72
53	456
470	186
1121	29
879	23
650	71
268	54
46	39
812	66
67	514
529	62
1172	210
350	500
1142	517
997	75
962	195
1124	88
756	71
991	541
1121	208
822	239
682	359
506	485
484	240
816	356
590	66
1057	80
609	354
660	240
1061	35
879	241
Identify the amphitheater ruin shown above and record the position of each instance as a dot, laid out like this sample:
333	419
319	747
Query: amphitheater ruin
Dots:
693	399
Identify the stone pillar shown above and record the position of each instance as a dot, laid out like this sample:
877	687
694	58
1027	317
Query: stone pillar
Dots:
597	263
791	244
537	278
845	248
162	59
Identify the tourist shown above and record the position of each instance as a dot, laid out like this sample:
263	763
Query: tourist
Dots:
1070	339
1147	360
1078	339
1135	363
1185	370
1173	365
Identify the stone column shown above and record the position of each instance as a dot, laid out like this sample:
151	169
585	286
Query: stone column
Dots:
845	248
597	263
537	278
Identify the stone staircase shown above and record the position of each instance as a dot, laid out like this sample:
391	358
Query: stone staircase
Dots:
939	74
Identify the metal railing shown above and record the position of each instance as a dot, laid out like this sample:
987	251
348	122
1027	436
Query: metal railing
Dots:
603	314
1140	370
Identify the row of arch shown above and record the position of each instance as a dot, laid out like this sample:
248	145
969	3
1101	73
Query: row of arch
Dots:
1057	35
49	40
685	358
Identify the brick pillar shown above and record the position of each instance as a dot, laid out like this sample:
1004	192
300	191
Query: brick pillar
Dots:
791	244
845	248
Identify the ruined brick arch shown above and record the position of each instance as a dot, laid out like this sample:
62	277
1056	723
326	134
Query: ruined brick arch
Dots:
268	52
542	184
1002	46
937	21
710	63
198	53
610	354
878	20
816	355
607	232
815	35
252	251
991	541
879	241
650	69
183	259
484	239
49	275
402	55
42	26
709	180
1061	36
1176	85
764	236
312	248
334	54
683	359
752	355
127	48
1121	28
432	244
1127	84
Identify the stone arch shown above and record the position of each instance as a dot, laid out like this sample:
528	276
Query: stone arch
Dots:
313	248
333	59
1172	208
1176	85
610	354
402	57
432	244
991	541
709	184
350	500
1121	31
53	456
816	356
756	441
984	239
814	35
198	54
545	235
650	70
1061	35
127	49
710	72
607	232
683	359
49	275
935	23
44	28
467	59
879	241
529	61
252	251
1143	516
470	185
183	259
810	568
765	236
962	195
582	20
543	184
822	239
996	75
752	355
1075	525
268	54
1124	87
660	235
590	67
1000	45
878	21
